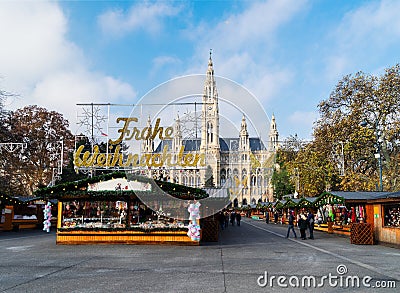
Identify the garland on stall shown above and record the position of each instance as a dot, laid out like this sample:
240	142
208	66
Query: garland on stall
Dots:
8	200
139	229
79	188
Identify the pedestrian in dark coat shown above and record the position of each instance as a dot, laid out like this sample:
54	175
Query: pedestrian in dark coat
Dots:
310	222
303	226
238	218
291	225
233	216
226	219
221	219
276	215
267	217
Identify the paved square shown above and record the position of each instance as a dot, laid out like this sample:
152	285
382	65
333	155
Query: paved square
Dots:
32	262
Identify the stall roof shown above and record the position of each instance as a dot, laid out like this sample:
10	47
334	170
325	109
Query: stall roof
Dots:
389	195
81	188
353	196
360	195
7	199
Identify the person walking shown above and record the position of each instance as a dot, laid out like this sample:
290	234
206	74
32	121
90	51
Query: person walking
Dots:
221	220
276	215
310	222
226	219
303	226
291	225
238	218
267	217
233	216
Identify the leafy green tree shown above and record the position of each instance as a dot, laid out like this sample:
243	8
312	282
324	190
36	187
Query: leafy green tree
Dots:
42	131
281	183
375	101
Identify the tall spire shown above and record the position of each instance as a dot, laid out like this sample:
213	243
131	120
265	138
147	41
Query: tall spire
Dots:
243	136
210	81
148	144
177	140
210	112
273	135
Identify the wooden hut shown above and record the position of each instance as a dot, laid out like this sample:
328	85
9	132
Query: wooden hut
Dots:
89	211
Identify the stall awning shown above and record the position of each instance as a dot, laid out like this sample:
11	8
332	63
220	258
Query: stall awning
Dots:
328	198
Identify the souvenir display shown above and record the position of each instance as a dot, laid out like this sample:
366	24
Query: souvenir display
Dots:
392	215
109	215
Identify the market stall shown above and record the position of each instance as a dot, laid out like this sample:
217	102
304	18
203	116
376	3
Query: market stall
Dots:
114	208
20	213
385	217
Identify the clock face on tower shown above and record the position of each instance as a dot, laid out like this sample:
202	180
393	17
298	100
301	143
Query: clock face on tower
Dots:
210	107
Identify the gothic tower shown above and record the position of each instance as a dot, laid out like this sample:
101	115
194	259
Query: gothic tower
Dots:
177	140
210	123
273	135
244	144
148	144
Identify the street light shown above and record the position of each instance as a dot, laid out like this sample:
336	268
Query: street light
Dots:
377	155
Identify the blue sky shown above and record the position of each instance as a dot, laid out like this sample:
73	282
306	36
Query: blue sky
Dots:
289	54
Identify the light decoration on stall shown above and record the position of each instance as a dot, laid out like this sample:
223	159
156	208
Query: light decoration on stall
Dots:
194	216
47	217
160	213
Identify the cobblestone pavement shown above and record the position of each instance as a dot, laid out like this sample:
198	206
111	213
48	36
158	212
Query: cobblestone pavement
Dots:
255	257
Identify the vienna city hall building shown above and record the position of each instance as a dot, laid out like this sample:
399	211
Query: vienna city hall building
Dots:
241	165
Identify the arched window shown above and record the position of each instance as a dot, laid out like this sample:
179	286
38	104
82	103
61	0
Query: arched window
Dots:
185	180
223	180
244	202
198	181
235	203
223	177
209	132
259	181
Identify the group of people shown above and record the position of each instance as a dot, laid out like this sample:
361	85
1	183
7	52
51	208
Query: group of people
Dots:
224	217
305	220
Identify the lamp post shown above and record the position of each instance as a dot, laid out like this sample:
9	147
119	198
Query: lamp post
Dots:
378	154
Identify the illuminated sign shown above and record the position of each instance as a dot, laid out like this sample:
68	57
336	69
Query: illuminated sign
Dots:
114	158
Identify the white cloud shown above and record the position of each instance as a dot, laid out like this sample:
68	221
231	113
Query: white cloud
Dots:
376	21
40	64
364	33
162	61
303	119
33	41
141	16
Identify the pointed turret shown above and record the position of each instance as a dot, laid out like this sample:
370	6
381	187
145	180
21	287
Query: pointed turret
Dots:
148	144
243	136
273	135
177	141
